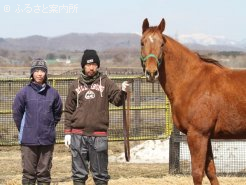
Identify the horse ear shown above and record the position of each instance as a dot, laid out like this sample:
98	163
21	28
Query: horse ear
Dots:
145	25
161	26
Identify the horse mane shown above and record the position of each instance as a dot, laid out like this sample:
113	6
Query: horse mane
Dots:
203	58
210	60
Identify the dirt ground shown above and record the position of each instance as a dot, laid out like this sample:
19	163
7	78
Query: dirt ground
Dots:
121	173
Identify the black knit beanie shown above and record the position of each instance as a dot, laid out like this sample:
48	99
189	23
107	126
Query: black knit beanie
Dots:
38	63
90	56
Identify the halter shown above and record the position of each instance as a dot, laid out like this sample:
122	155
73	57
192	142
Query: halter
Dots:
143	59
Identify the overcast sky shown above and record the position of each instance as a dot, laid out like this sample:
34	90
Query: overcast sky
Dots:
21	18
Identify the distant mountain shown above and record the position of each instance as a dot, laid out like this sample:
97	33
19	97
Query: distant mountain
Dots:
210	42
73	41
105	41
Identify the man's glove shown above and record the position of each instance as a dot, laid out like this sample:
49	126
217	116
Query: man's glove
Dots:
67	140
125	86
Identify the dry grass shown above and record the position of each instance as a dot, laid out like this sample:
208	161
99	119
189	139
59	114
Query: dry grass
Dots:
121	173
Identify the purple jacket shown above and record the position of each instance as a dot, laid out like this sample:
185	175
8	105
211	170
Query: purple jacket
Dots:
36	111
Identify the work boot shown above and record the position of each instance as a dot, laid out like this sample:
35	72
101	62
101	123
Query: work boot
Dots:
78	183
28	182
43	183
98	182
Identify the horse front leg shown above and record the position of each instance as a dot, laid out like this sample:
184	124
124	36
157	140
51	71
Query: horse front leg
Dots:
210	169
198	149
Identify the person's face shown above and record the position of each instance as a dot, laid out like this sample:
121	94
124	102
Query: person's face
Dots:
90	69
39	76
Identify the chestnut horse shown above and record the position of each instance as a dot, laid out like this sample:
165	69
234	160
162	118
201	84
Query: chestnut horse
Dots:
208	101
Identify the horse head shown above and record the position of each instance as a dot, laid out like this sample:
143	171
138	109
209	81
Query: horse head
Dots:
152	43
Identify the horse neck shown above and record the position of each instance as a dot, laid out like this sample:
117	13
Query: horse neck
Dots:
179	64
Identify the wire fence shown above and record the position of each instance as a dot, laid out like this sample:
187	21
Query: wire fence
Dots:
229	155
149	110
150	119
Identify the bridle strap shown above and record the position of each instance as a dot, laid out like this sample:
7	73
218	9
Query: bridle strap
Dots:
144	59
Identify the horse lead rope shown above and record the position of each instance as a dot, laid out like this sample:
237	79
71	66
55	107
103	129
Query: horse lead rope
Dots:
126	120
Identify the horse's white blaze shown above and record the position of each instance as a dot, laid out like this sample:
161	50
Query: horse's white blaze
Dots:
151	39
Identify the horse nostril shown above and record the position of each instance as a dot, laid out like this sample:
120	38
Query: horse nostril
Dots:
156	73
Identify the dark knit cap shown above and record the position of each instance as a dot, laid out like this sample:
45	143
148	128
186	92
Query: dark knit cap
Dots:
38	63
90	56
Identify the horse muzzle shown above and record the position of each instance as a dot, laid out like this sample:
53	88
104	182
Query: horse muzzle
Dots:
151	76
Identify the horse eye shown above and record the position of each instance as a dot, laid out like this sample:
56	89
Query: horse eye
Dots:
142	44
162	45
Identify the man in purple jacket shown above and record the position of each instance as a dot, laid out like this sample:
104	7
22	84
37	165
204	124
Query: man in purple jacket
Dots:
37	108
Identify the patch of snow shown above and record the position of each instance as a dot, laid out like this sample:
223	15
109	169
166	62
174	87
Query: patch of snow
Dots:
229	156
150	151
